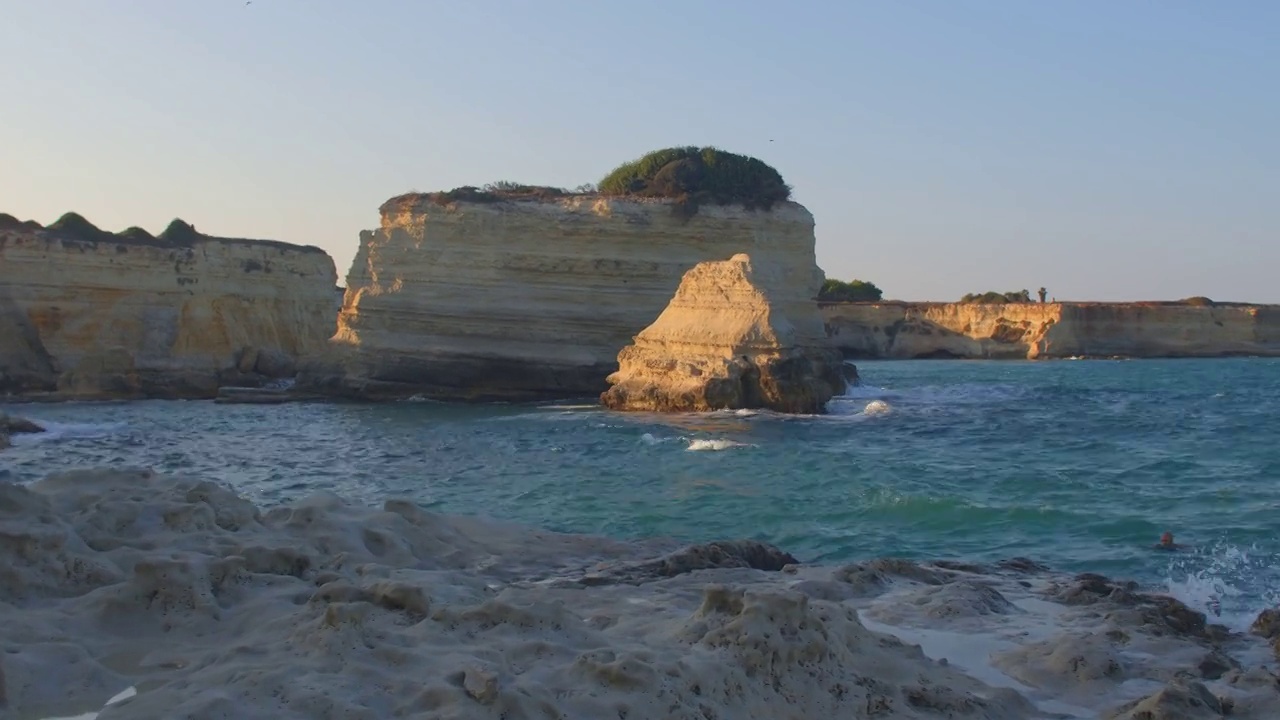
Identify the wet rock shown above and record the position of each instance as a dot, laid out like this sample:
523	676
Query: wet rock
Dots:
1155	614
16	425
744	554
1022	565
1267	624
1176	701
1216	664
871	577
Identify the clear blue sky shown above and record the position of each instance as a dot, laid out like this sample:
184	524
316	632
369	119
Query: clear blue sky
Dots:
1106	150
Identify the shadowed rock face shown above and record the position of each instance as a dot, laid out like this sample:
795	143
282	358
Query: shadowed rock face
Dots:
521	300
87	313
737	334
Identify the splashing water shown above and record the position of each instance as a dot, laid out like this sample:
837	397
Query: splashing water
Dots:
1231	585
876	407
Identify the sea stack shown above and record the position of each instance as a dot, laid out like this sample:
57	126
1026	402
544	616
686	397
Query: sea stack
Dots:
86	313
514	292
737	334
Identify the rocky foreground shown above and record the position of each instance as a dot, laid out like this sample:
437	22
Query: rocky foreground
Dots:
186	600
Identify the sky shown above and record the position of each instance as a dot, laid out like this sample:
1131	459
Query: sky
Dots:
1104	150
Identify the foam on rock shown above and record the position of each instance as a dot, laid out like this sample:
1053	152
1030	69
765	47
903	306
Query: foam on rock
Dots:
737	334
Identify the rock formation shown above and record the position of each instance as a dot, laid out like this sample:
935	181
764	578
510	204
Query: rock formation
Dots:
1053	330
10	425
87	313
737	334
532	298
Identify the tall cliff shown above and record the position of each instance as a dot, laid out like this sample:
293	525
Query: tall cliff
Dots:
87	313
1052	330
735	335
530	298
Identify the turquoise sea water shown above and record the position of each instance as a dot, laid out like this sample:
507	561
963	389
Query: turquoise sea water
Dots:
1080	465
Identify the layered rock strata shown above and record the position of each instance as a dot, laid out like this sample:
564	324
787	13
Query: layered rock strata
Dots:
736	335
1053	330
90	314
529	299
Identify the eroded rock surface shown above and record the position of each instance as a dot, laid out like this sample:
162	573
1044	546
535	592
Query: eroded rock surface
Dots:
737	334
90	314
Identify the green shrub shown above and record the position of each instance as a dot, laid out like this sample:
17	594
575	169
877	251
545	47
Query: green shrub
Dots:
997	298
136	234
694	176
74	225
852	291
180	232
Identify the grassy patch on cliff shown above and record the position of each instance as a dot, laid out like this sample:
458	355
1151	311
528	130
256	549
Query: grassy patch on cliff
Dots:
694	176
852	291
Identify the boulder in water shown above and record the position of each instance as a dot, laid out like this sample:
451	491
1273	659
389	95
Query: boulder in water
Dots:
736	335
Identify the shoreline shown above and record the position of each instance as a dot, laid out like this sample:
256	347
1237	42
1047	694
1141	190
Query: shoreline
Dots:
185	590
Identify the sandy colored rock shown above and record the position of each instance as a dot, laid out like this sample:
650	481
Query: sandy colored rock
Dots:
132	316
1052	330
739	333
211	607
529	299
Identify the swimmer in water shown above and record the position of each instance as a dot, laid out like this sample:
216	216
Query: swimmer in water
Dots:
1167	543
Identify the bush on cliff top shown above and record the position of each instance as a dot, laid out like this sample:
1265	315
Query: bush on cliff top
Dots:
997	298
694	176
852	291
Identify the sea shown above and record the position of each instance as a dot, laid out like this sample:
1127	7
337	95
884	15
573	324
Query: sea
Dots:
1080	465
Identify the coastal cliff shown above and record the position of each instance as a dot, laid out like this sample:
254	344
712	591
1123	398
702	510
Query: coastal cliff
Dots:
1052	330
530	298
86	313
734	336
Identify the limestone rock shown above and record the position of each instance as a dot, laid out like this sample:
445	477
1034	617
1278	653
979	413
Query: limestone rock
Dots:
87	313
1177	701
529	299
1052	330
737	334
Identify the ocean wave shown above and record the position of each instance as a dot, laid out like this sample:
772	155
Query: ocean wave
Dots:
54	431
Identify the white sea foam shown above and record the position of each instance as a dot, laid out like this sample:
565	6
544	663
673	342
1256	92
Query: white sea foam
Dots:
715	444
1228	583
876	407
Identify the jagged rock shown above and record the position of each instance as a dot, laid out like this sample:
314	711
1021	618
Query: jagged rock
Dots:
737	334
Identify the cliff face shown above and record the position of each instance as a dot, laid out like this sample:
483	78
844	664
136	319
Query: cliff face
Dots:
736	335
1052	330
130	316
530	299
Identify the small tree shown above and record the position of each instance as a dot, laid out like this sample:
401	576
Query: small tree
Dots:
852	291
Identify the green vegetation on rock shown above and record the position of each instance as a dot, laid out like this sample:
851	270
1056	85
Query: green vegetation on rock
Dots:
690	176
852	291
695	176
997	298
